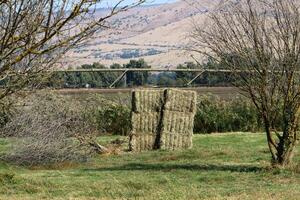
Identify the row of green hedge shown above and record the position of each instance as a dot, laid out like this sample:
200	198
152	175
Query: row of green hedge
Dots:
213	115
216	115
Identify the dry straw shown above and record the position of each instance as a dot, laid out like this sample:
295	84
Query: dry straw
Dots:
178	119
146	116
147	100
162	119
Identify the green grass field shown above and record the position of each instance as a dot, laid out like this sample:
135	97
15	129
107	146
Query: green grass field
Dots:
225	166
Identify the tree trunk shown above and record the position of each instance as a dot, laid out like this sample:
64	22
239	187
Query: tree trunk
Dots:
282	151
271	145
270	140
286	145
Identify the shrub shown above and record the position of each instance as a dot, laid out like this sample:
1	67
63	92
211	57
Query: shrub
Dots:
216	115
110	114
113	118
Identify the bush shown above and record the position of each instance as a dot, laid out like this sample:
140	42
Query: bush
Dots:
216	115
110	114
113	119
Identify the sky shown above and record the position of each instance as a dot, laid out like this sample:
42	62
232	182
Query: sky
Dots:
106	3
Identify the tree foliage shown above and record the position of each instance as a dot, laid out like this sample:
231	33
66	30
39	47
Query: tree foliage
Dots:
137	78
83	79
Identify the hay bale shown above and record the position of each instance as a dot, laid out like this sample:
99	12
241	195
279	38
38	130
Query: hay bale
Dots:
146	117
173	141
162	119
178	119
144	131
147	100
180	100
145	122
177	130
143	142
177	122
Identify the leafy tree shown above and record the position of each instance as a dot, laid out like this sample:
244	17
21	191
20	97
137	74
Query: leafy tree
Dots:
116	66
166	79
184	77
137	78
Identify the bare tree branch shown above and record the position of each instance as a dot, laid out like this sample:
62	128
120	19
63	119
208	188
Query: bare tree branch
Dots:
34	34
261	38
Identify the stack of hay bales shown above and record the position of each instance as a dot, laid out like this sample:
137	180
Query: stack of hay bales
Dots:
146	117
178	119
162	119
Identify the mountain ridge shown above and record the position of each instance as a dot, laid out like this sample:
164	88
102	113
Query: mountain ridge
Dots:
156	33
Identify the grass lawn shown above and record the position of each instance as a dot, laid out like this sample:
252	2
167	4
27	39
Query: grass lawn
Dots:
225	166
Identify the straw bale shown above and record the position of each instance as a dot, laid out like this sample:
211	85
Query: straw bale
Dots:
144	131
145	122
177	130
180	100
178	119
162	119
147	100
174	141
177	122
143	142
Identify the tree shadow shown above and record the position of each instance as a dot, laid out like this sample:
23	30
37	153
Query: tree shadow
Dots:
171	167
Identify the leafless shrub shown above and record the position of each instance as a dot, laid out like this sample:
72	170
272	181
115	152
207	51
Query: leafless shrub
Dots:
50	129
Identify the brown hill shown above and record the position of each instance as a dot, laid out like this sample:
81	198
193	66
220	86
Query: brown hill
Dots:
157	33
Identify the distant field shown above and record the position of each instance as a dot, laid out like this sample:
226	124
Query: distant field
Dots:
223	92
223	166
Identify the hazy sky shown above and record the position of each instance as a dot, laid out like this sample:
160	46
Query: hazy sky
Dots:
106	3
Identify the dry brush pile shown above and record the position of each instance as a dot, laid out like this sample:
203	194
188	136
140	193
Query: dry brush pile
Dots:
49	128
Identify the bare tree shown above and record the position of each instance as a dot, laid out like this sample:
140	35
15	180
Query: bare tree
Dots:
259	41
34	34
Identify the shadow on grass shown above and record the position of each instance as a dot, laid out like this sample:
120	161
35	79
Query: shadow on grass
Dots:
171	167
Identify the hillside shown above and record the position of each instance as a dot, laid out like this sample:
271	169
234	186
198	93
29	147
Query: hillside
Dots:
157	33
